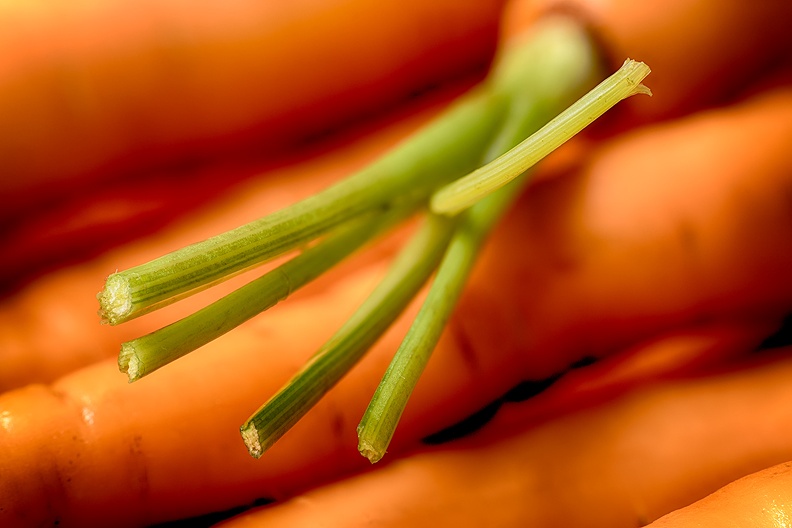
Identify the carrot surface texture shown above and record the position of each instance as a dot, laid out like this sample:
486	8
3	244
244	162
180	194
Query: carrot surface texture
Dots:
638	255
759	500
107	88
611	243
557	58
615	465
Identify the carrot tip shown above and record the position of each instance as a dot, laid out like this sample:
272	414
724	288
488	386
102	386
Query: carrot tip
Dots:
115	301
250	436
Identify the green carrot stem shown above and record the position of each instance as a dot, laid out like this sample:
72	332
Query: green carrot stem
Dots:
407	274
466	191
530	96
563	63
447	148
144	355
385	409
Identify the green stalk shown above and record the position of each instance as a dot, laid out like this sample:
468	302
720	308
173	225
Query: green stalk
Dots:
383	413
445	149
144	355
466	191
568	65
345	348
531	79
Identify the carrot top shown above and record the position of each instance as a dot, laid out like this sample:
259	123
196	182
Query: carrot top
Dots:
479	135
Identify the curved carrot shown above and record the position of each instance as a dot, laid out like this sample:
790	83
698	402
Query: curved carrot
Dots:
696	63
701	51
759	500
94	89
49	328
619	465
605	263
585	235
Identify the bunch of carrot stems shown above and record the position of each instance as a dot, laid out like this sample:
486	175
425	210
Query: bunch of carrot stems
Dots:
461	173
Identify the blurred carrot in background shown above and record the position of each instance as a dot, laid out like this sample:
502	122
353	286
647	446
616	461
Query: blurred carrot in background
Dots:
701	52
93	92
121	92
88	87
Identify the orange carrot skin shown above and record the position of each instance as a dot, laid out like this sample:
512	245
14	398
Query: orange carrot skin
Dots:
92	89
180	461
92	428
555	219
654	230
700	51
628	272
759	500
618	465
50	327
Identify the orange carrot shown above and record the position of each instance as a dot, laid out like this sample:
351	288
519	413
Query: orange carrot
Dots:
93	89
50	327
759	500
582	240
700	51
693	67
604	264
617	465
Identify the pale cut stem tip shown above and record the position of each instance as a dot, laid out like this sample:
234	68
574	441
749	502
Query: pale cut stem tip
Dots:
133	369
251	438
115	300
370	452
129	362
126	353
464	192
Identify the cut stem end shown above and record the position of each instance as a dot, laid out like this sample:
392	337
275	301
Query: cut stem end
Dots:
370	452
250	436
115	300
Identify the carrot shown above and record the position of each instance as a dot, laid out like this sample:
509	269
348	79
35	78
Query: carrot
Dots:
100	219
38	344
758	500
592	238
617	465
96	89
73	338
690	67
701	51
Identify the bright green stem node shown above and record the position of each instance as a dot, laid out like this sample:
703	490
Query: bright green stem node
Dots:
406	276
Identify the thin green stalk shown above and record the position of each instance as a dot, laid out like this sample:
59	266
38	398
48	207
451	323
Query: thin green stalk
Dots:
530	80
445	149
466	191
345	348
385	409
146	354
563	64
